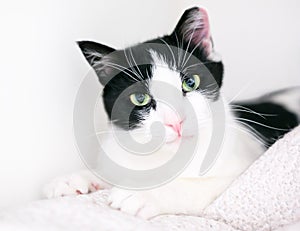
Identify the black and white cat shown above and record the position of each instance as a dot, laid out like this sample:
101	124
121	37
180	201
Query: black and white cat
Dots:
250	127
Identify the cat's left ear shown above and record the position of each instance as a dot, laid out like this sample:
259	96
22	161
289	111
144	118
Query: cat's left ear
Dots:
193	28
94	54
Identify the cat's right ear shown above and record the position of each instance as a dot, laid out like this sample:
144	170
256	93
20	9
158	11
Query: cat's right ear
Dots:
94	54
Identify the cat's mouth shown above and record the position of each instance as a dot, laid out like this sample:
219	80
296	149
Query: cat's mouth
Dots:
179	139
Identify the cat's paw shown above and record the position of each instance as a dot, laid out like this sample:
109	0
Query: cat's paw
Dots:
142	204
74	184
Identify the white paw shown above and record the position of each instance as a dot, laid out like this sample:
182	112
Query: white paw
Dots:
74	184
143	204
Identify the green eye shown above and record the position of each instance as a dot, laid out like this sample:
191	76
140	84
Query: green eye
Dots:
140	99
191	83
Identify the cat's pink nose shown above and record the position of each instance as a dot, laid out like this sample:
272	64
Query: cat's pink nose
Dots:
176	126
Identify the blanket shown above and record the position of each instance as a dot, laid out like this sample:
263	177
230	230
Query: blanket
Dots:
265	197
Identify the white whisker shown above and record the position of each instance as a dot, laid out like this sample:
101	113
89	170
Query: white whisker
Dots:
141	75
240	91
122	70
178	48
263	125
251	111
186	49
191	53
248	132
253	131
125	68
241	110
130	64
196	64
172	53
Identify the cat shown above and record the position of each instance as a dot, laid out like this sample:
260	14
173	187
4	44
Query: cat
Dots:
186	62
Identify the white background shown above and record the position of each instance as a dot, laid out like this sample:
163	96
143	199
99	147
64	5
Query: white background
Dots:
41	69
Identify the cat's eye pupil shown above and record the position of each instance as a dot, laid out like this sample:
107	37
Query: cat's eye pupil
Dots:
190	82
140	97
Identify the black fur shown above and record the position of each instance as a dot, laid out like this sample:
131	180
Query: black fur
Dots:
113	71
270	121
124	114
121	79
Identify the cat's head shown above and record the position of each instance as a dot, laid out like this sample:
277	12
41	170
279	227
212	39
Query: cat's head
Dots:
169	79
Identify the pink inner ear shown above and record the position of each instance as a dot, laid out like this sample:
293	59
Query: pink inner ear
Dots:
198	27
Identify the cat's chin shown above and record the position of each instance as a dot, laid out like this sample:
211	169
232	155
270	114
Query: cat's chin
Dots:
179	139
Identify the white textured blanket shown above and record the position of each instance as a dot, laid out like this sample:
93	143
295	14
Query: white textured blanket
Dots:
265	197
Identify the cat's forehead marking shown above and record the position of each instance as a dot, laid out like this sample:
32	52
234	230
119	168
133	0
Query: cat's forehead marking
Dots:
162	71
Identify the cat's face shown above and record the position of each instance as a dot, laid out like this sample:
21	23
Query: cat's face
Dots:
168	80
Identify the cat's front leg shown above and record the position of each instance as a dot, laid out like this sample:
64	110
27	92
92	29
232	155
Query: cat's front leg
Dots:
82	182
182	196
